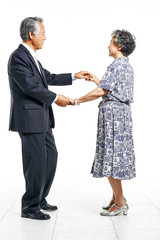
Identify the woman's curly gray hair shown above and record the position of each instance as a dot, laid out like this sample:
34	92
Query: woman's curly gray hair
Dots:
124	39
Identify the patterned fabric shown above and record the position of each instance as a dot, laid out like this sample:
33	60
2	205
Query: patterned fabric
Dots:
115	148
119	79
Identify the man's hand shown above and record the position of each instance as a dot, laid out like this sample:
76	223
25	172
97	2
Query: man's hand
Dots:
83	74
63	101
87	76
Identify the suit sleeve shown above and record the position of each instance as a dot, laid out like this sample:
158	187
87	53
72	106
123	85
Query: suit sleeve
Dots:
58	79
24	78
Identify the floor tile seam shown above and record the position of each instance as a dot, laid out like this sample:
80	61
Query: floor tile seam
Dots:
139	187
114	228
139	229
61	197
86	231
9	209
54	227
115	231
151	201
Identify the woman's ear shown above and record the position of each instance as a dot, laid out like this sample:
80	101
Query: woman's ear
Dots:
119	49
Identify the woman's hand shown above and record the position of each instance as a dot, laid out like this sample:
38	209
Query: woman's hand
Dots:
92	78
87	76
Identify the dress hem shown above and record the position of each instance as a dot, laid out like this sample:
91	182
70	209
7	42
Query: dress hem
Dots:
95	176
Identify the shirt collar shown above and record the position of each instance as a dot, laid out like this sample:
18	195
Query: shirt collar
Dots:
123	59
32	52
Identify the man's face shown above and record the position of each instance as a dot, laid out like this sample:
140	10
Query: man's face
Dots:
38	40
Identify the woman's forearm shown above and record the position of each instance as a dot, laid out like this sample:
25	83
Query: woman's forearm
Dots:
96	93
97	81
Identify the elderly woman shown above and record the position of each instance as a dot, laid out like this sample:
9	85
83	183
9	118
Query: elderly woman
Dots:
115	156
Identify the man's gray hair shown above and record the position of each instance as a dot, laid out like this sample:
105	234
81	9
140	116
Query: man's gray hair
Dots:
29	24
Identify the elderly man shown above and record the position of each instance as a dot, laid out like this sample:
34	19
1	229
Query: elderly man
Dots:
32	117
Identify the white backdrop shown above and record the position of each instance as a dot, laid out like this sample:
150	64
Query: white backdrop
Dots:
78	34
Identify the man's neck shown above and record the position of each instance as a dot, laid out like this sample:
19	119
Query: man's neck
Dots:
29	43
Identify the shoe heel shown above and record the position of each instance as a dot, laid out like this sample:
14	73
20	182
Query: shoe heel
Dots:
125	212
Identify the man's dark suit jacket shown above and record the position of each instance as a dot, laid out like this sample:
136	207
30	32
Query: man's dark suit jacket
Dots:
31	110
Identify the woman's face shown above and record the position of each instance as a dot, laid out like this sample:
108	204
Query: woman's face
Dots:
114	50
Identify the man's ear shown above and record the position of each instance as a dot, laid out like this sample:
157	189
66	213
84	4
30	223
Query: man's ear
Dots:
30	35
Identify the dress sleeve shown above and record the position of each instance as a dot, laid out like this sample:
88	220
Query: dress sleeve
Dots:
110	77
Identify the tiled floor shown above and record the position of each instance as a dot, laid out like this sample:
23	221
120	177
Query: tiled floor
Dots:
78	218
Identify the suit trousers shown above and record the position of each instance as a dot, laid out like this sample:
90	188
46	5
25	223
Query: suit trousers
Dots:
39	154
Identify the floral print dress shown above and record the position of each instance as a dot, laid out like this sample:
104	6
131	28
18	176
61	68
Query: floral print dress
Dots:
115	155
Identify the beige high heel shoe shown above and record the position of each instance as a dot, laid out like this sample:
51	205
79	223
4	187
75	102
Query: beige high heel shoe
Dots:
123	209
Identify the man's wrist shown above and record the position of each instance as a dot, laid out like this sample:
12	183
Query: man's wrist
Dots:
55	98
73	77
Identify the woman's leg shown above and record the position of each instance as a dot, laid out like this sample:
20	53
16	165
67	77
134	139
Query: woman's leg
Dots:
117	193
112	200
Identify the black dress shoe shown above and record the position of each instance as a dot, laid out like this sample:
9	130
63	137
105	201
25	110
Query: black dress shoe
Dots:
48	207
37	215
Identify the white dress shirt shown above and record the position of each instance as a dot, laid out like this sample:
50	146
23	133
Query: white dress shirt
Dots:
33	53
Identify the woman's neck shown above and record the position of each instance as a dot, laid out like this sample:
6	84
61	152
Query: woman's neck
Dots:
118	55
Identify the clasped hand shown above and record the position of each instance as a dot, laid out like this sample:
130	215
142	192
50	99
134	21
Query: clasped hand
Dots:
63	101
87	76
